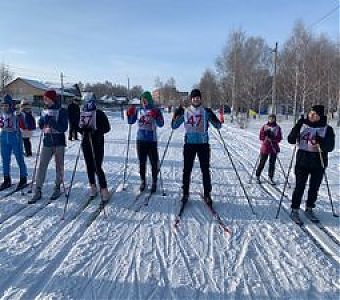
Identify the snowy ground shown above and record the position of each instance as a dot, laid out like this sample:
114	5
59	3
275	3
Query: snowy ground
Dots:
138	255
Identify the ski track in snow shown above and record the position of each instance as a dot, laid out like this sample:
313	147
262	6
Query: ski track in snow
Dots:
140	255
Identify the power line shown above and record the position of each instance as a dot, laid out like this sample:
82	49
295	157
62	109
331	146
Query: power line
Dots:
324	17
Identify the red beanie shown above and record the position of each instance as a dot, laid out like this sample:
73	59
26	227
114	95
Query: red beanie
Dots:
51	94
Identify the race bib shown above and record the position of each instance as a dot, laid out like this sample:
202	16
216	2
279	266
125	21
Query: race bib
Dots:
8	122
307	137
88	120
146	122
195	120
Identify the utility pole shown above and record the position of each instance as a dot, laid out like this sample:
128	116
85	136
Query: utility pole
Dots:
338	109
62	87
128	88
274	81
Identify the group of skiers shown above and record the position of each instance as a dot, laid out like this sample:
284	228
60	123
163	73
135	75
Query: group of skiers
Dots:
16	130
313	137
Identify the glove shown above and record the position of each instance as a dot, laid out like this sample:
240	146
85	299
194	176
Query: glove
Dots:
179	112
2	124
131	111
300	122
153	113
318	139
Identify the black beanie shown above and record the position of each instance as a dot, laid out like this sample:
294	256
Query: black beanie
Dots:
319	109
195	93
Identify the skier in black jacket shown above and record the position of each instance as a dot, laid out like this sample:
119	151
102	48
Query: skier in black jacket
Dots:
74	113
93	124
312	136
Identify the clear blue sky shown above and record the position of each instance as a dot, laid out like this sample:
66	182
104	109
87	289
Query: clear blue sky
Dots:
95	40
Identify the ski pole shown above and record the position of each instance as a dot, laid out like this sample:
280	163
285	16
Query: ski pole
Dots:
127	156
161	183
72	178
252	173
161	162
286	181
96	167
283	171
166	149
326	180
237	174
36	162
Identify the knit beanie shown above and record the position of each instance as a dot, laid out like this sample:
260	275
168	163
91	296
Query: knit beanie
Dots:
51	94
147	95
319	109
195	93
8	100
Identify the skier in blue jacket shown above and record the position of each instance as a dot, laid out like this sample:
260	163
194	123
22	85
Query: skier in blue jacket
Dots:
149	118
11	141
196	119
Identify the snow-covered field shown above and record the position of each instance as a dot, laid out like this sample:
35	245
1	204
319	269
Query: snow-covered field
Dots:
124	254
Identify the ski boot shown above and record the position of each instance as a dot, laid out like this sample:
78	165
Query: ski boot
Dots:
105	195
6	184
56	193
93	191
153	187
22	183
142	186
310	215
37	196
258	180
271	181
296	217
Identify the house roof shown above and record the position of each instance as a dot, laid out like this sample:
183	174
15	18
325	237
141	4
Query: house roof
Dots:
68	88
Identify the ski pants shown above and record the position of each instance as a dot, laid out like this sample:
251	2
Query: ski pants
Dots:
263	160
11	142
94	156
27	146
301	176
203	153
73	132
45	158
148	150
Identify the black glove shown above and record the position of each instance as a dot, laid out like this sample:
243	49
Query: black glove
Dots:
179	112
300	122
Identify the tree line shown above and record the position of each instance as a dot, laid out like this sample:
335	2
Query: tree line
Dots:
308	72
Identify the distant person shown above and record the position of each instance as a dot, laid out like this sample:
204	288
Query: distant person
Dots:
196	119
149	117
312	136
73	117
53	122
93	124
11	143
270	137
27	124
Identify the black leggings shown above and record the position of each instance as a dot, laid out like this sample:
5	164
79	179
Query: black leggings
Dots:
94	166
145	150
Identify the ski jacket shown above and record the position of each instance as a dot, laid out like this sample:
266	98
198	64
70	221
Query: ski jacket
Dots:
73	114
270	137
304	134
95	124
27	124
54	123
149	118
196	123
